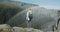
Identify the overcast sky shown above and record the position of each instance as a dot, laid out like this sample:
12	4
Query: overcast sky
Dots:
51	4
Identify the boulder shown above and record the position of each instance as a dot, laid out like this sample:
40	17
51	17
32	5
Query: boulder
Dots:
18	29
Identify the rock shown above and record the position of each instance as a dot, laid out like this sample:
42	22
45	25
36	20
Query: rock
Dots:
36	30
32	30
18	29
5	28
28	29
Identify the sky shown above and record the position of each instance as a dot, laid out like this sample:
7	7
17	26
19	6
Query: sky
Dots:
49	4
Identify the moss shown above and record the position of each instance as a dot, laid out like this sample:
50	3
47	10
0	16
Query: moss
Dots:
23	25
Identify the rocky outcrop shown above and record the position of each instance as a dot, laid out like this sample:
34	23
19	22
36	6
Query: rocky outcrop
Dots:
4	26
7	28
19	29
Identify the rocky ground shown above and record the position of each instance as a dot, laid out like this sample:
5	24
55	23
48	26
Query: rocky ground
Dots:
7	28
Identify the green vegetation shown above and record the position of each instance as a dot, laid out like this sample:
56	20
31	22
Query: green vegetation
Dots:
23	25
